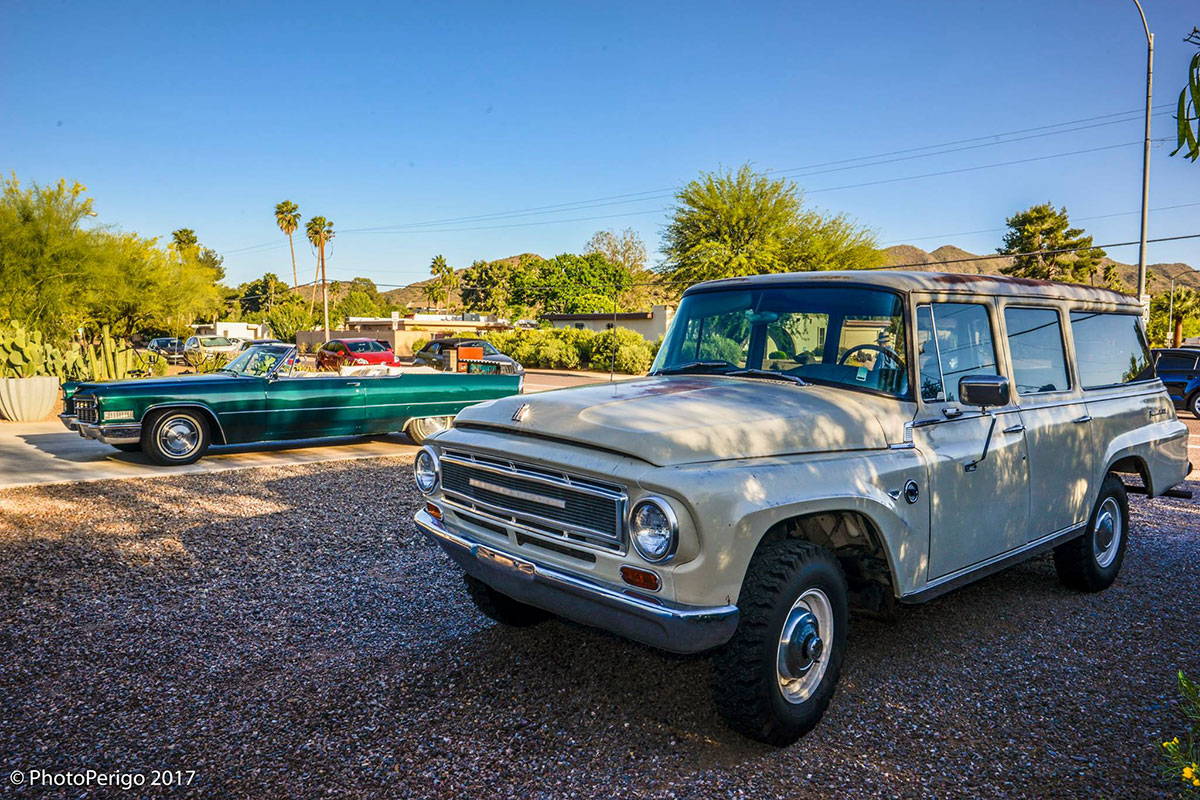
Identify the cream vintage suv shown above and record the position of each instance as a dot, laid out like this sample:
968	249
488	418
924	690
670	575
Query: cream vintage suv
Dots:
805	443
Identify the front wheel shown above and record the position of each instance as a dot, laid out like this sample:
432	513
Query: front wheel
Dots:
775	677
174	437
421	429
1090	562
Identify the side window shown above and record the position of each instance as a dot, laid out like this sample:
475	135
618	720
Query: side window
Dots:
1175	362
1035	342
1110	348
961	339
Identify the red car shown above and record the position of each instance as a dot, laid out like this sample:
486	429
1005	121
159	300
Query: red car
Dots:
339	353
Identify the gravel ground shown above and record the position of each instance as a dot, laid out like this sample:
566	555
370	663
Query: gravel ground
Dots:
269	632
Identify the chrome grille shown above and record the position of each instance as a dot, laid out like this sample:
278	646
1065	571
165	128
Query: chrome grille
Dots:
552	503
85	409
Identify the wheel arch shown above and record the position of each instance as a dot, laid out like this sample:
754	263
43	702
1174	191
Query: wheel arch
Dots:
1130	464
214	424
855	536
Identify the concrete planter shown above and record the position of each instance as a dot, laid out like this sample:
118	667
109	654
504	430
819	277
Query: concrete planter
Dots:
27	399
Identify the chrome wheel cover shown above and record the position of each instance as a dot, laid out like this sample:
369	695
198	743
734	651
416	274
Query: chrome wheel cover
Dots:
431	425
1106	533
179	437
805	644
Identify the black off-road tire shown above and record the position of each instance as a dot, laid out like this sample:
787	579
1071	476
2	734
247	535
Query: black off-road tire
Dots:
746	679
501	608
1077	561
152	444
129	448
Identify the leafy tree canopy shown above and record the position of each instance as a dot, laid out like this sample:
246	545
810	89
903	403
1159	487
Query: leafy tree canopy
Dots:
261	295
1041	228
445	280
57	276
1187	115
729	223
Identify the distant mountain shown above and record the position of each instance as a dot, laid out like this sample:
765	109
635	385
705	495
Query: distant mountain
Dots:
954	259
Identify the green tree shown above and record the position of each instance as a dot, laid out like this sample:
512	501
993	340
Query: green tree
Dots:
730	223
355	303
445	280
1167	318
1040	228
1188	114
184	239
625	248
486	286
287	217
260	295
554	286
288	317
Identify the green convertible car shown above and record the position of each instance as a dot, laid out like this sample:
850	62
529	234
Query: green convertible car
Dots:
262	396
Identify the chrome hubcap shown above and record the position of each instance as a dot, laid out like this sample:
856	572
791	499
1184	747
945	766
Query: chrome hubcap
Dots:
179	437
1106	534
803	651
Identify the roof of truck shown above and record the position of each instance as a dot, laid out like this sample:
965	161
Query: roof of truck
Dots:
935	282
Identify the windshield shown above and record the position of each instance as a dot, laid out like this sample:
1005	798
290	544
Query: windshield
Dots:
259	361
488	350
214	341
365	347
841	336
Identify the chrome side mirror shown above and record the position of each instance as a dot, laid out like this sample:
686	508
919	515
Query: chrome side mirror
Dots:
984	391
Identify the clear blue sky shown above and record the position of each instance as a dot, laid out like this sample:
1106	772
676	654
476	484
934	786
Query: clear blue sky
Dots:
385	114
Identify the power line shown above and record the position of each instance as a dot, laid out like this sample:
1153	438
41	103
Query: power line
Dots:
995	230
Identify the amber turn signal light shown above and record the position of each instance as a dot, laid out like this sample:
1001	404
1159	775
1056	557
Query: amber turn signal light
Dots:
433	511
641	578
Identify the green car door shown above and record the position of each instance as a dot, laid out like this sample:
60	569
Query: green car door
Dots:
393	400
308	407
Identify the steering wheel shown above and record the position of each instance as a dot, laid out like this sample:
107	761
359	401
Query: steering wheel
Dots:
887	351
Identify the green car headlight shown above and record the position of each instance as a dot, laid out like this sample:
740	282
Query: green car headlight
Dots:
426	470
654	529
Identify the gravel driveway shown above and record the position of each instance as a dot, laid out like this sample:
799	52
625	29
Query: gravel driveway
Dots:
259	628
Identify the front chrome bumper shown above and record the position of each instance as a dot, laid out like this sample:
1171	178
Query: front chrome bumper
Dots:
668	626
120	433
70	421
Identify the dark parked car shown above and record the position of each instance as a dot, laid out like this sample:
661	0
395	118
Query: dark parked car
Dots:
1176	368
167	347
338	353
434	355
246	345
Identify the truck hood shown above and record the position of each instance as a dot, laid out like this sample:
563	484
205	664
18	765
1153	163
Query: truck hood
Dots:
681	419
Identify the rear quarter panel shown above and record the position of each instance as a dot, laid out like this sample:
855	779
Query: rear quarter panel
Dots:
393	400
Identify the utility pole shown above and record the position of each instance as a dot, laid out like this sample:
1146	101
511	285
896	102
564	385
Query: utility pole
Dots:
324	287
1141	287
1171	315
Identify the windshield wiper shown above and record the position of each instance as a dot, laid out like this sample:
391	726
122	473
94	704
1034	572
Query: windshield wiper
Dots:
232	372
768	374
688	366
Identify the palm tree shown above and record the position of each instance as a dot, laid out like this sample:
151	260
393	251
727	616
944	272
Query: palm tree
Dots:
319	231
1185	305
287	217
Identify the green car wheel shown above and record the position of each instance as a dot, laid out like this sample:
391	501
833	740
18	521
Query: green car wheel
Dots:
421	429
175	436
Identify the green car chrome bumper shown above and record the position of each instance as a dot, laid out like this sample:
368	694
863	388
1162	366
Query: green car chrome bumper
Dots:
123	433
667	626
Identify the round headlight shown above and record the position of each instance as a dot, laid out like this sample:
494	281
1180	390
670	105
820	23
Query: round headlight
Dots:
425	470
653	529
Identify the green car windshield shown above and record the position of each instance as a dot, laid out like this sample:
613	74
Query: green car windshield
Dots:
261	361
840	336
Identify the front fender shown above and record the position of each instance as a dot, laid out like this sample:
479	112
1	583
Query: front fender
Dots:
735	503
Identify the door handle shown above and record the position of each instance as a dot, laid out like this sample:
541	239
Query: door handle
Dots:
356	383
1014	428
1083	419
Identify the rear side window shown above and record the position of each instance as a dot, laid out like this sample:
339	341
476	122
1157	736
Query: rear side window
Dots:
1035	343
1175	362
953	340
1110	348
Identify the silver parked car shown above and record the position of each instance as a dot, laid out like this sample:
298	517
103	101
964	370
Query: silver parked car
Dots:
805	443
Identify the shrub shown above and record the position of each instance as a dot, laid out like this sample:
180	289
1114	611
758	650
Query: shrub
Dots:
574	348
419	344
633	353
1180	769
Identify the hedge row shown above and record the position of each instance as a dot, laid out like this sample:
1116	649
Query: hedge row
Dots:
570	348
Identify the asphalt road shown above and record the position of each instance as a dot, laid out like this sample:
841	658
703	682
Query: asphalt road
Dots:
45	452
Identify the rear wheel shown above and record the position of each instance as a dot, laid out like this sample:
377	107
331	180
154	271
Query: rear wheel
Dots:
502	608
1090	563
421	429
1194	404
175	436
776	676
